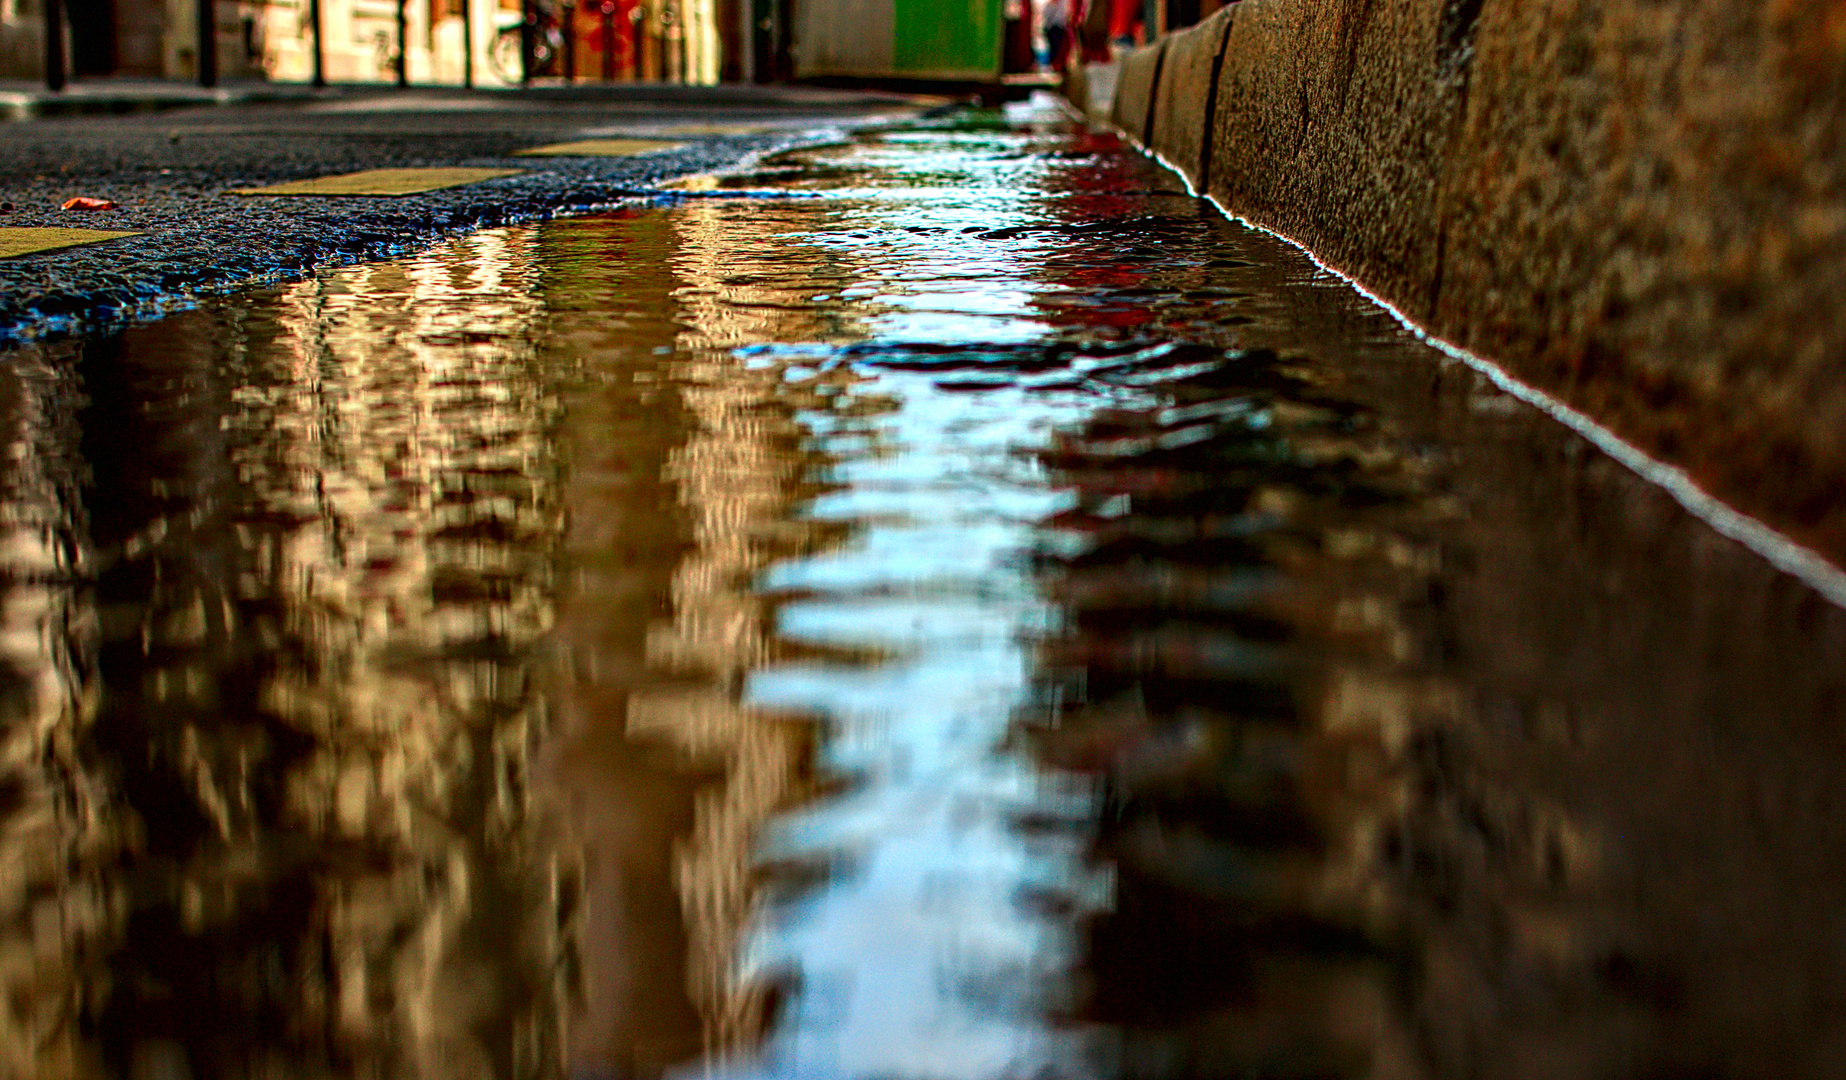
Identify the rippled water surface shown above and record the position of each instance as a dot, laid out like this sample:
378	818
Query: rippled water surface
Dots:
947	605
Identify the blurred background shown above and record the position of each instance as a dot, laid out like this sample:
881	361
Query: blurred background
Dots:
484	42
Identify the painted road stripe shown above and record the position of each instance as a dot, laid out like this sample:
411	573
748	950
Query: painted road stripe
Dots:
711	129
26	241
699	182
383	182
600	148
658	131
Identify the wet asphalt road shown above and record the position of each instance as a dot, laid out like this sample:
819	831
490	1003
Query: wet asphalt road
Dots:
172	174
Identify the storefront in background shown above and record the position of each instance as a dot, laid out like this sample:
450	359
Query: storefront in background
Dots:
693	41
899	39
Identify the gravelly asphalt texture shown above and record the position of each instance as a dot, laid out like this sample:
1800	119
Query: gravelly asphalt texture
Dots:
172	173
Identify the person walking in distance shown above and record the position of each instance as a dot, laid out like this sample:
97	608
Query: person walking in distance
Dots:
1054	17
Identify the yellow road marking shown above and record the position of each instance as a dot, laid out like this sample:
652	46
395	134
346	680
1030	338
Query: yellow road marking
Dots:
600	148
700	182
383	182
712	129
663	131
14	241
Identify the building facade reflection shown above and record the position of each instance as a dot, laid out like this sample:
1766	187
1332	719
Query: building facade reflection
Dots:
60	828
324	570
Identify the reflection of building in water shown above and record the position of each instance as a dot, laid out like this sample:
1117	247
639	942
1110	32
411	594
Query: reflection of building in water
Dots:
58	832
332	523
1225	540
683	476
1299	853
415	432
623	802
332	526
334	534
741	474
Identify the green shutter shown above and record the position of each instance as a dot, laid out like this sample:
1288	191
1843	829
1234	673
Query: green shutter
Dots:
947	38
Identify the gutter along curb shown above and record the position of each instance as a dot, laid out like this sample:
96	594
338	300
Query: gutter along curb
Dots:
1638	209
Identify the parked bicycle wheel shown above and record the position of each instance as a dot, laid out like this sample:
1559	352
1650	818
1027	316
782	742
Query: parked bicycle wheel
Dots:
504	56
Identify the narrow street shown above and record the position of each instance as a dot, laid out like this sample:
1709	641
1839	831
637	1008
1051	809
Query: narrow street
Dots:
893	591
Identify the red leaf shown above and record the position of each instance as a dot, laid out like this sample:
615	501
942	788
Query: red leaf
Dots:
84	202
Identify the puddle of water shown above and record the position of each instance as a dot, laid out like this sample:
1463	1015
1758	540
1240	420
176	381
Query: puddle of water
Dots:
980	615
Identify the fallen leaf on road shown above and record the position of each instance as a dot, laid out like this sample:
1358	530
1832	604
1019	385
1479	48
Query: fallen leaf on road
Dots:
84	202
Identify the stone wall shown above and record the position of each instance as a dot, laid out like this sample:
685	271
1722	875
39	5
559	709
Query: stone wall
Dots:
1637	205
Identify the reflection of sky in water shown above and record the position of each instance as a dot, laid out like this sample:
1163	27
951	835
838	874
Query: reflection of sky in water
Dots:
921	956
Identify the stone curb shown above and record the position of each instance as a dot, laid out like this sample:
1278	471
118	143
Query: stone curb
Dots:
1637	208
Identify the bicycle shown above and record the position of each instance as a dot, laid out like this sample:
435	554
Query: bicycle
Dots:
506	57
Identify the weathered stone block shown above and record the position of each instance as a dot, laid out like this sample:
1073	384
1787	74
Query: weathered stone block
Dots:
1187	86
1134	89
